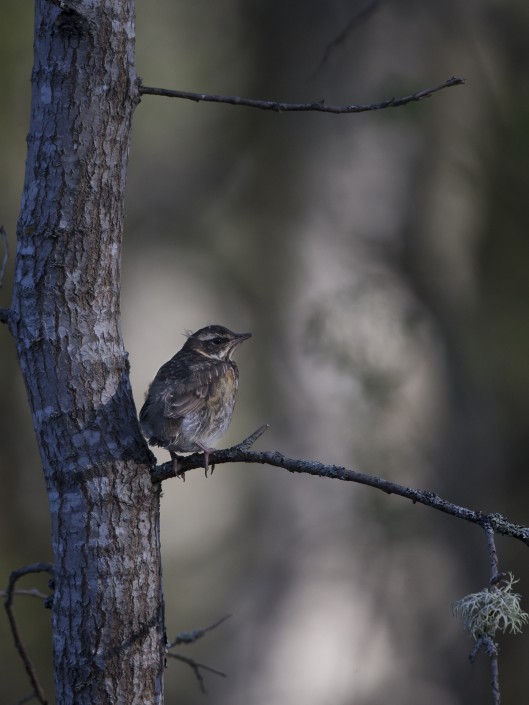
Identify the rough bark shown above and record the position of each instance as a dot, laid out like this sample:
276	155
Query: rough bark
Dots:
108	607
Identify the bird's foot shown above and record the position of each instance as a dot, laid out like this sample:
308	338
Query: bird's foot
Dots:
207	451
177	472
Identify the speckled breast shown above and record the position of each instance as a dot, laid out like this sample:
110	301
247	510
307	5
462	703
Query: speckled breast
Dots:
210	422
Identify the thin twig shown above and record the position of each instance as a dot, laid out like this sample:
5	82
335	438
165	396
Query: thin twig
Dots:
319	106
191	637
30	592
494	574
27	699
196	666
38	692
475	651
487	643
492	651
239	454
248	442
196	634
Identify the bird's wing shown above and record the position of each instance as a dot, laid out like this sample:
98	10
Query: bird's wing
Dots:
191	393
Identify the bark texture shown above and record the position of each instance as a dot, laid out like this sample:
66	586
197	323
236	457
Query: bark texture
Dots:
108	607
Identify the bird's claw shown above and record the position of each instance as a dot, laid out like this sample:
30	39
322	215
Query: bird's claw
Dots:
178	473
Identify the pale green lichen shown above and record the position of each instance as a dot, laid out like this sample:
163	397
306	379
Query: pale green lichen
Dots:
492	610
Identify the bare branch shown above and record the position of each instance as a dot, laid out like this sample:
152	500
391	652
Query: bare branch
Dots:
319	106
495	575
239	454
10	591
487	643
31	592
492	651
196	634
248	442
196	666
27	699
358	18
191	637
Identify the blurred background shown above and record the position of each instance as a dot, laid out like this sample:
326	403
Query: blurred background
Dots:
381	262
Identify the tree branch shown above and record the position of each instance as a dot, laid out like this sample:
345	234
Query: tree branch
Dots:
341	37
31	592
190	638
195	667
196	634
492	651
38	693
241	454
489	644
494	573
320	106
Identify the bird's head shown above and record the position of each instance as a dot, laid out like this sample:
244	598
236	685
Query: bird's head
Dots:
215	342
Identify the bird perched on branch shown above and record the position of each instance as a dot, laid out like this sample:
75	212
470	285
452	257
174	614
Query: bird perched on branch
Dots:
190	402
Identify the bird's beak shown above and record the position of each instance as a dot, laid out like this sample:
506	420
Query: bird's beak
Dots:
239	338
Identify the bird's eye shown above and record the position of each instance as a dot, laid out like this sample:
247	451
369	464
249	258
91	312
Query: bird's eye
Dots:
216	341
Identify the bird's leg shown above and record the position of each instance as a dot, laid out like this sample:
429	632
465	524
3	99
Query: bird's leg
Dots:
174	458
207	451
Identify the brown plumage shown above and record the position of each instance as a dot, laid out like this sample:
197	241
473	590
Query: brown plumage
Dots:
190	402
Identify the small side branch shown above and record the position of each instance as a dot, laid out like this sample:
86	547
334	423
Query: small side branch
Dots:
190	638
196	634
494	574
10	591
318	106
488	642
241	454
31	592
356	19
196	667
492	650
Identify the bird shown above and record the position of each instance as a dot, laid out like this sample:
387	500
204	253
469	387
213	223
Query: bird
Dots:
189	404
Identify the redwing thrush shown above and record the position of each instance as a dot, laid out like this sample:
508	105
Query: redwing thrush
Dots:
190	402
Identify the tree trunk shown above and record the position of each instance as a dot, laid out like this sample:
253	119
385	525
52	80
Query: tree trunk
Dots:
108	607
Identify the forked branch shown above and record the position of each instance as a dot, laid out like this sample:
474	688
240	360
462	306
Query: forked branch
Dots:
190	638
